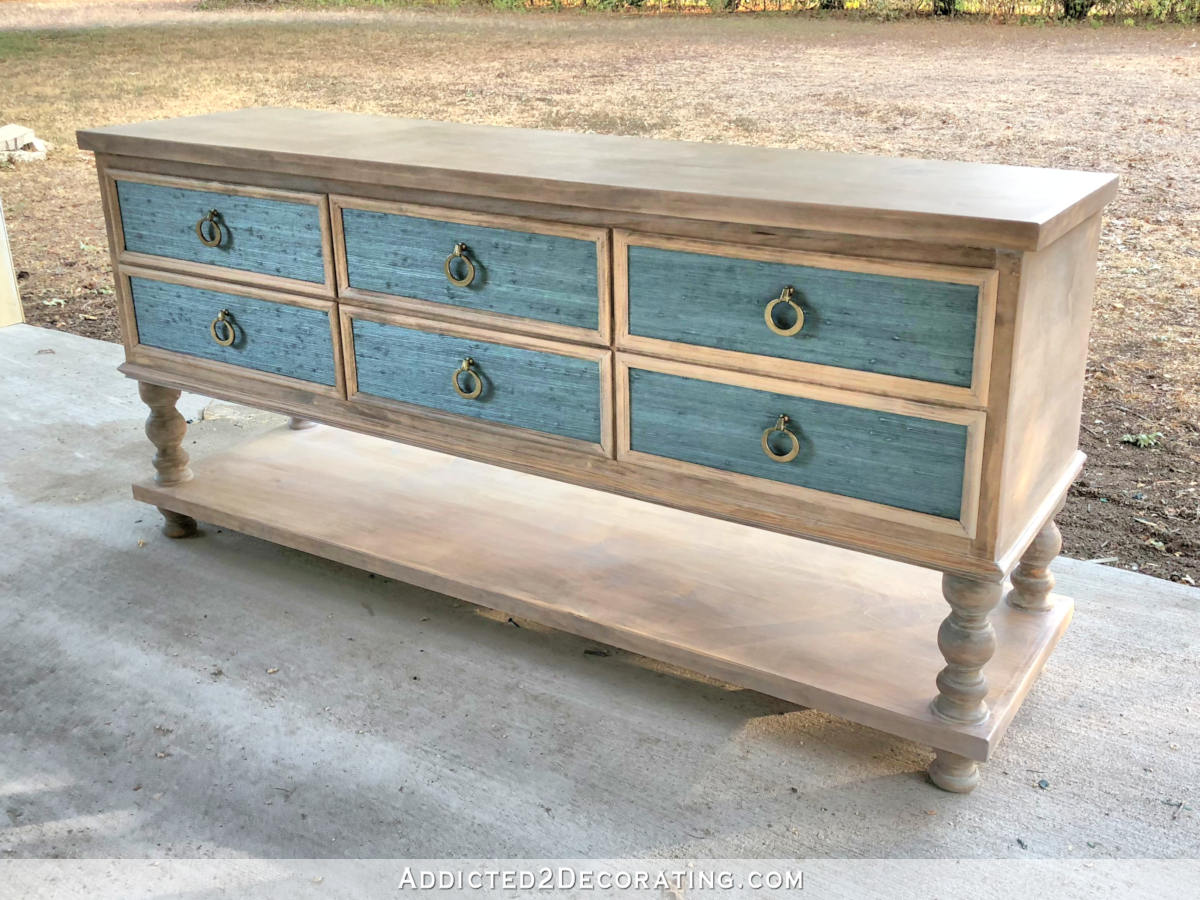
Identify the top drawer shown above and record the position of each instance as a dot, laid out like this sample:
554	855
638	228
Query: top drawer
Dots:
254	235
912	329
545	278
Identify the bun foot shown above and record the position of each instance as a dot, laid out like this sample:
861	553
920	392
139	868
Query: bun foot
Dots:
954	773
177	525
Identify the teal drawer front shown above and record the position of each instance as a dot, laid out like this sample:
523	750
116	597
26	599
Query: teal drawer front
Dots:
548	277
271	337
883	324
265	236
543	392
897	460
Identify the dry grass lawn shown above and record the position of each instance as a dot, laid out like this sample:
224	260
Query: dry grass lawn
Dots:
1123	100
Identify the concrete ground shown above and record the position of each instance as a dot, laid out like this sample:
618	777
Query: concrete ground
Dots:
225	697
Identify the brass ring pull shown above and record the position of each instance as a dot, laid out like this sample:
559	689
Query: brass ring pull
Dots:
224	317
780	427
215	227
465	369
787	295
460	253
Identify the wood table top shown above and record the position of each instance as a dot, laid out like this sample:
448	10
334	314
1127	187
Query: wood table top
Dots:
960	203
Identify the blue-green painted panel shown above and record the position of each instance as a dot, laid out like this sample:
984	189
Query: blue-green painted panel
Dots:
270	237
897	460
271	337
540	391
518	273
874	323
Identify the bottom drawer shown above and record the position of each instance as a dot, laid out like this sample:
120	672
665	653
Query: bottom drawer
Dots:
281	335
903	461
553	389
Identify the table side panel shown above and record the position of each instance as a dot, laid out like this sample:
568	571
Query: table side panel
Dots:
1045	401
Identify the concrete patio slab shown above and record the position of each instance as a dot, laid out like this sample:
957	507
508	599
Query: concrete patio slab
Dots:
222	696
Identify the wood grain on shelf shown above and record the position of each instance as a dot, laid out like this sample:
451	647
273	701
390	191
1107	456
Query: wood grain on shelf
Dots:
811	624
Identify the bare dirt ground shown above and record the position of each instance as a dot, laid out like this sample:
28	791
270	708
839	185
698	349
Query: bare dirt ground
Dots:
1122	100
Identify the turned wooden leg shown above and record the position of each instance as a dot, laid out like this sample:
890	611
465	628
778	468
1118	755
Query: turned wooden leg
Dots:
967	642
955	773
166	427
297	423
1032	580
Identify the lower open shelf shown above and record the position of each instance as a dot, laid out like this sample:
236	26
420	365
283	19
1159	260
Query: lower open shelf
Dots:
823	627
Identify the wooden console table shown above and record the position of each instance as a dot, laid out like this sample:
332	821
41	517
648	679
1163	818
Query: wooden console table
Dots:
837	379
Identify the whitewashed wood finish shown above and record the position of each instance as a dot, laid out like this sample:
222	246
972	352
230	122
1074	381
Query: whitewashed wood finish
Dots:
972	204
475	317
1032	580
953	772
140	353
975	395
669	584
165	428
476	427
1012	504
967	640
548	455
1025	238
962	528
108	186
550	208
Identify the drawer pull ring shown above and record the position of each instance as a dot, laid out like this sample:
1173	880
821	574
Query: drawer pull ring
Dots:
780	427
214	228
224	318
465	369
460	253
787	295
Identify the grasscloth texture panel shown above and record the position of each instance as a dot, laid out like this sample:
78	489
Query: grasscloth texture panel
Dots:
518	273
272	337
889	325
267	236
888	458
544	392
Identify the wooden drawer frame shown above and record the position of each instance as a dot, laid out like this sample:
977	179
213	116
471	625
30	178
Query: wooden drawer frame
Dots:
480	427
962	527
1012	506
447	312
172	361
116	232
974	396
